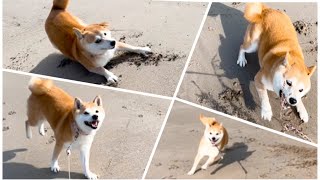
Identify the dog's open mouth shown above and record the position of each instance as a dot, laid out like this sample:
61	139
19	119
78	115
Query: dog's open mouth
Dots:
93	124
283	102
213	142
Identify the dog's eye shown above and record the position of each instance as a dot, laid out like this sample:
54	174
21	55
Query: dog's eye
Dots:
97	111
105	34
98	41
217	134
300	90
289	83
210	133
85	113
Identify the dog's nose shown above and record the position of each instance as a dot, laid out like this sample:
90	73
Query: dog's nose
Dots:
213	138
95	117
292	101
113	43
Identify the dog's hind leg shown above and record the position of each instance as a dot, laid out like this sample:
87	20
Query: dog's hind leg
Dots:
250	43
34	116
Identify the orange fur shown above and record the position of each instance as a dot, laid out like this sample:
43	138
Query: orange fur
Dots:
60	26
214	124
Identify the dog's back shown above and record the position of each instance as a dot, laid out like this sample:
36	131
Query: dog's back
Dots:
59	28
47	102
278	34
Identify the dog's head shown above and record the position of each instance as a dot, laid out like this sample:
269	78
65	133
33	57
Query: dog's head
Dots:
293	80
214	131
89	115
95	38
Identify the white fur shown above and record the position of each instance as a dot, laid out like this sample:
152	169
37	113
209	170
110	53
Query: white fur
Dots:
207	149
242	61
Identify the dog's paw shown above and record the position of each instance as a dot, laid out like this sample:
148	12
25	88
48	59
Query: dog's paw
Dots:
145	51
304	116
191	172
42	132
91	175
55	167
112	79
266	114
204	167
241	61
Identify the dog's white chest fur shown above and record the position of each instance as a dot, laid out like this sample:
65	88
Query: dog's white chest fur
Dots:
209	150
102	60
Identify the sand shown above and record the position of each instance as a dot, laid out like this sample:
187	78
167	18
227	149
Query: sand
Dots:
214	79
251	153
121	147
168	27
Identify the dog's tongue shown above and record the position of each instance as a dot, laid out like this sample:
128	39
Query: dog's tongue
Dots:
94	123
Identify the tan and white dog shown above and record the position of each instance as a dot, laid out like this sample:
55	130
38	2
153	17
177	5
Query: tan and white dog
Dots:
214	139
283	70
73	122
91	45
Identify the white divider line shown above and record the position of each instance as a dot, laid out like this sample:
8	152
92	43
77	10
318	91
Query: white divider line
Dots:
246	122
176	91
89	84
318	92
244	1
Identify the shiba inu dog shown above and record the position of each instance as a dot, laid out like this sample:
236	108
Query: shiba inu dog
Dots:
283	70
73	121
91	45
214	139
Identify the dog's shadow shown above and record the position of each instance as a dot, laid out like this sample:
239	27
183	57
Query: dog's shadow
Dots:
234	26
236	153
57	65
13	170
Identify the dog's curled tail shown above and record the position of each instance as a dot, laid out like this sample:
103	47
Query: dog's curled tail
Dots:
253	12
38	86
60	4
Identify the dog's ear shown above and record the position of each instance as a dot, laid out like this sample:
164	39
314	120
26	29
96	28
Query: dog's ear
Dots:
287	60
311	70
78	33
221	125
98	101
78	104
203	119
207	121
104	24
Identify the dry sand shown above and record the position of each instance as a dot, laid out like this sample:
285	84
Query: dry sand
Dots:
251	152
168	27
120	149
214	79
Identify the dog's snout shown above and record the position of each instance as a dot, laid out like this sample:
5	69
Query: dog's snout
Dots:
292	101
95	117
213	138
113	43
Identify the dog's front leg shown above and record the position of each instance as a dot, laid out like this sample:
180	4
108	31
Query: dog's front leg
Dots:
126	47
304	116
266	111
85	157
210	161
111	78
56	152
195	164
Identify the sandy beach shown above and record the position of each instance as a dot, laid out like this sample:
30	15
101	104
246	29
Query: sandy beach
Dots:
120	149
169	28
251	153
214	79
